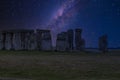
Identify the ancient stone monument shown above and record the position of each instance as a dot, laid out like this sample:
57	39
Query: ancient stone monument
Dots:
61	43
17	39
44	41
25	40
79	42
70	39
103	43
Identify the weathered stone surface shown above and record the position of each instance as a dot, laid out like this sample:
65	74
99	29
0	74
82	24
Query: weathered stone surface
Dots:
44	41
24	39
61	43
79	41
70	39
103	43
18	40
1	40
8	44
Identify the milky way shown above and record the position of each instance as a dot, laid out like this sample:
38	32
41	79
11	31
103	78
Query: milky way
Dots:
62	16
95	17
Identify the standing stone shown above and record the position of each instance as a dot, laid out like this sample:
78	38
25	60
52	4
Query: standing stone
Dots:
103	43
11	40
27	41
2	40
32	41
44	41
82	44
79	42
70	37
39	38
61	43
8	41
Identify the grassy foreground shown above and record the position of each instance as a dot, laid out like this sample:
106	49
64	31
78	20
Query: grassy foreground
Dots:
37	65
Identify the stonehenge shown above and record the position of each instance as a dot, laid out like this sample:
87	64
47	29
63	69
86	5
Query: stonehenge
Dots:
25	40
70	40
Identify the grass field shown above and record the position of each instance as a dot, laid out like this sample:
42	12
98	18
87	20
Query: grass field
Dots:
38	65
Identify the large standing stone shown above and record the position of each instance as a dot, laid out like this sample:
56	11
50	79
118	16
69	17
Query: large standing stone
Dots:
5	40
8	41
2	40
31	41
28	40
44	41
78	39
70	37
38	39
103	43
17	40
24	40
61	43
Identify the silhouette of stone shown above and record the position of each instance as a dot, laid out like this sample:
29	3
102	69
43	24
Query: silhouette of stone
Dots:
82	44
70	37
16	39
2	40
61	43
103	43
79	42
24	39
78	39
44	41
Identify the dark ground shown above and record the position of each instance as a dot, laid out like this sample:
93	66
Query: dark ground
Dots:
37	65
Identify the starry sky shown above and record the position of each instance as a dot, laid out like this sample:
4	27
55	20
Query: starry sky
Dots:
95	17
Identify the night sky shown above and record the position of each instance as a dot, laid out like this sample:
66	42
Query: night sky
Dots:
95	17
